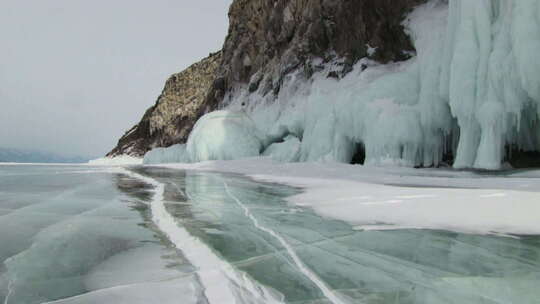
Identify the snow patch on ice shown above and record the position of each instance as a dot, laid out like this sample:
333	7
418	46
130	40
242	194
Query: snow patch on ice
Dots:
403	197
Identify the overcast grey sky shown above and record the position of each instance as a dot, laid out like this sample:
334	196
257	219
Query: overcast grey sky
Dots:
76	74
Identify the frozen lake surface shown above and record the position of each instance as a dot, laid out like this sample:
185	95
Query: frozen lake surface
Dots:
79	234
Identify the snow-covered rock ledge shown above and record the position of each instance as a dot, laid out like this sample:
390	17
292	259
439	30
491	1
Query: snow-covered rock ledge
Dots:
397	198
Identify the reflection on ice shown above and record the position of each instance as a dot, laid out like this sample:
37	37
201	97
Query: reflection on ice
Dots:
141	276
376	267
89	238
69	232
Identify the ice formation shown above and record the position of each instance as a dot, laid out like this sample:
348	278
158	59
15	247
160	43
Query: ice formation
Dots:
172	154
287	151
471	95
224	135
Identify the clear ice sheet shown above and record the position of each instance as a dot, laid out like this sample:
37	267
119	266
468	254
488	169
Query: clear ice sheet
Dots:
108	249
375	267
84	232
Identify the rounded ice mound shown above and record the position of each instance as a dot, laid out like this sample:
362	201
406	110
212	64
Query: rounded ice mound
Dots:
172	154
224	135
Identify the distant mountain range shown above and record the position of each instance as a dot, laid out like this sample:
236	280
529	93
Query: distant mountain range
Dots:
34	156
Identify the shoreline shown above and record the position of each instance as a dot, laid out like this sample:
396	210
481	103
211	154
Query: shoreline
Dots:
390	198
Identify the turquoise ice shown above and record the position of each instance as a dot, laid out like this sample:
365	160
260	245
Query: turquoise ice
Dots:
86	235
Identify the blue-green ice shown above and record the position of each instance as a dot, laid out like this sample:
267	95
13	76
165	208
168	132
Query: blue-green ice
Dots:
79	234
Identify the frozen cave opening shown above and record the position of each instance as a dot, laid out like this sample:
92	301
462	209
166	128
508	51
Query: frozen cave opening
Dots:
359	156
450	146
520	159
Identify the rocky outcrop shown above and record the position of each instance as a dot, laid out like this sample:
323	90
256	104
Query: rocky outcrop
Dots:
175	112
267	40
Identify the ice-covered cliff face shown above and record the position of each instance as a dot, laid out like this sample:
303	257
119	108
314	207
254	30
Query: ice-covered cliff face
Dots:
267	40
491	78
471	95
410	83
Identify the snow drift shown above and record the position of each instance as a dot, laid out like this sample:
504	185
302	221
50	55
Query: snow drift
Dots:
470	97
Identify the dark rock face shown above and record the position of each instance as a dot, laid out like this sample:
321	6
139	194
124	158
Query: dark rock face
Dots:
267	40
176	110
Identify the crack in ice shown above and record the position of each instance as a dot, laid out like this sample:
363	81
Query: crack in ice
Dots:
212	271
10	291
327	292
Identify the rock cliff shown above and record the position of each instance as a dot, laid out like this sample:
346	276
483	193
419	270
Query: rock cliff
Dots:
176	110
270	39
267	40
